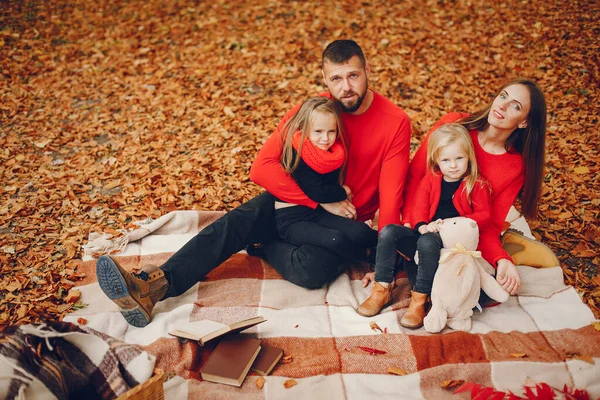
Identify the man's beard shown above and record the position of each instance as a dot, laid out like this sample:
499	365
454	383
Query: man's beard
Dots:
355	106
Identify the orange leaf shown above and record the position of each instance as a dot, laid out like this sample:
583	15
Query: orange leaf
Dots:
396	371
286	359
518	355
375	327
450	383
565	215
260	382
289	383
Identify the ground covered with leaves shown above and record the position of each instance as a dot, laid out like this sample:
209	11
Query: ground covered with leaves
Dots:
112	112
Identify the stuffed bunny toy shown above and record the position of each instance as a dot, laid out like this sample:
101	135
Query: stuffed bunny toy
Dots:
461	274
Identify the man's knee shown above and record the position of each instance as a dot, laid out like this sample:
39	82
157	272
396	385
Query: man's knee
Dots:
314	269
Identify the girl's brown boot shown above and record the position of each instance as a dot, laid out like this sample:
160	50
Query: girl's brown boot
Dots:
416	312
379	298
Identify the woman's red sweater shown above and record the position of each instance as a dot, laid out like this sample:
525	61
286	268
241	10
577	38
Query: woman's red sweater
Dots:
505	173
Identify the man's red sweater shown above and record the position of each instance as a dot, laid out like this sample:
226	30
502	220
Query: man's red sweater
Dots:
379	147
428	196
505	173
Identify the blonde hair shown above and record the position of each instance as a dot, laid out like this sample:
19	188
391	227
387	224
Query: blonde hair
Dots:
449	134
302	122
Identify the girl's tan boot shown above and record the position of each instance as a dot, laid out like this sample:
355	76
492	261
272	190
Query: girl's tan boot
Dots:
379	298
416	312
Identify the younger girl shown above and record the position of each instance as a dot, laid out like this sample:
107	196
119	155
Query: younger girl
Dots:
451	188
314	153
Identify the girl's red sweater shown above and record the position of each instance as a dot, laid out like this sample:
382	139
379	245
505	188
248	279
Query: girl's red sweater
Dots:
505	173
428	196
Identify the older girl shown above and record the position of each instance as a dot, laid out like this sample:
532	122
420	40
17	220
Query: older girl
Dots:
314	154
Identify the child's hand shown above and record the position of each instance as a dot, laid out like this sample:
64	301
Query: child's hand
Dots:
369	223
348	192
368	278
434	226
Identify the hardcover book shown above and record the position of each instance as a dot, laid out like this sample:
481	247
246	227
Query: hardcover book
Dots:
230	362
267	359
206	330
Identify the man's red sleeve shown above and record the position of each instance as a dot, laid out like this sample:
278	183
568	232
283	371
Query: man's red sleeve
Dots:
268	172
393	175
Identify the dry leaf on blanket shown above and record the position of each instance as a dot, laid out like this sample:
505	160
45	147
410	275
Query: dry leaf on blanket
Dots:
450	383
396	371
371	350
289	383
578	356
375	327
518	355
596	325
286	359
73	295
260	382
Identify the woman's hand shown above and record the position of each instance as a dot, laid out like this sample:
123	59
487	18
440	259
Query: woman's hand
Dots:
508	276
342	208
368	278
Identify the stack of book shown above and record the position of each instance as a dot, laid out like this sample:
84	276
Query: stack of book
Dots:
235	354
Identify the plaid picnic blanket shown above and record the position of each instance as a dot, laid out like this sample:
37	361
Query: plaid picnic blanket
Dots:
65	361
537	334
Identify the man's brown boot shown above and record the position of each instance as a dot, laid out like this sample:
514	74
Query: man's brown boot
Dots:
416	312
379	298
135	293
526	251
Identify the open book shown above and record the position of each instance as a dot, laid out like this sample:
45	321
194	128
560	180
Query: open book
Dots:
206	330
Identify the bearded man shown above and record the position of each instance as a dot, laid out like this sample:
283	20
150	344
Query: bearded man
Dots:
378	133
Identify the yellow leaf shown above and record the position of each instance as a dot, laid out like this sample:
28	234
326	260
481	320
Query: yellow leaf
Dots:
581	170
596	325
518	355
586	358
396	371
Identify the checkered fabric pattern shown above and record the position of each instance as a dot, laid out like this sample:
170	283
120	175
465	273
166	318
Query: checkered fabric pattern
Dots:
322	332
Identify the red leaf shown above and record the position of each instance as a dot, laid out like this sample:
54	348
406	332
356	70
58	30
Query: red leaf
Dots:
498	396
466	387
483	394
512	396
581	394
544	391
371	350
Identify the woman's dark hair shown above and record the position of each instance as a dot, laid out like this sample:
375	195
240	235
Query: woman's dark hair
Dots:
530	142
